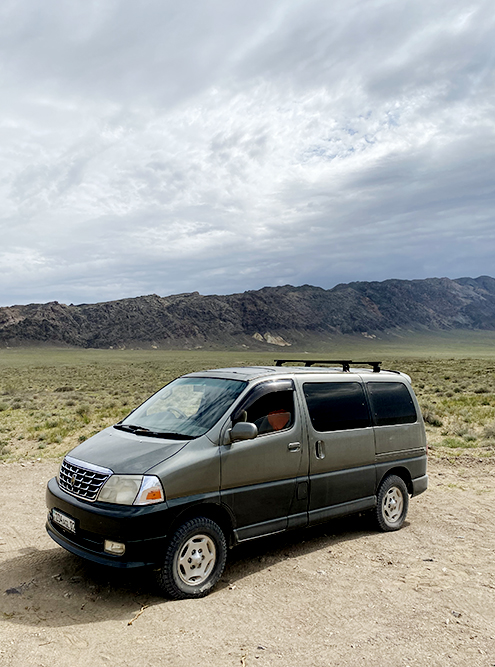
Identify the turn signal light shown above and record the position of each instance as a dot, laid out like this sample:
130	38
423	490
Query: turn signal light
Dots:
151	491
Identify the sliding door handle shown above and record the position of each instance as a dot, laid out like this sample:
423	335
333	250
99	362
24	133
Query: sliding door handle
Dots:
320	449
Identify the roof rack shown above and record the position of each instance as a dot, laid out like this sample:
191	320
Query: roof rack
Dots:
345	363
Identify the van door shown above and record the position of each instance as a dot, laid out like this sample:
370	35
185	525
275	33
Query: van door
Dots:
341	448
260	477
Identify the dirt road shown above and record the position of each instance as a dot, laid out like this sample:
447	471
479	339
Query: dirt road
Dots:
341	594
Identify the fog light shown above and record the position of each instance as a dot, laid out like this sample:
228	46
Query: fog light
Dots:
115	548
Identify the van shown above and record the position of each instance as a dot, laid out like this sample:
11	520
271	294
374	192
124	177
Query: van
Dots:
222	456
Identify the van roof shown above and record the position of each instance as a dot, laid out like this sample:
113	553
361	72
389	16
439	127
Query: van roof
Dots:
247	373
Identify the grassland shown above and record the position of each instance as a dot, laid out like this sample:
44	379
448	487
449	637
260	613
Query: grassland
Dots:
51	399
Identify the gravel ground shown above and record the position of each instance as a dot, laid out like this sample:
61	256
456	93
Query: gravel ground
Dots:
339	594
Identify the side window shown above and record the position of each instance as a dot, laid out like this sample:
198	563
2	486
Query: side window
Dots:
336	406
391	403
271	412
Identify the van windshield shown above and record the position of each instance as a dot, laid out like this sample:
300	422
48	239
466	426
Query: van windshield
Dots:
187	407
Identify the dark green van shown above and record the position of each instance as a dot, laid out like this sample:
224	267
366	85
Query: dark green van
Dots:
222	456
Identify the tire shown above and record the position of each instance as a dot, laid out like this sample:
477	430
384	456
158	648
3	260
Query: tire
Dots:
194	560
392	504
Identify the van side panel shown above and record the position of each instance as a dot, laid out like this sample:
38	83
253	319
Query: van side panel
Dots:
194	470
347	471
399	440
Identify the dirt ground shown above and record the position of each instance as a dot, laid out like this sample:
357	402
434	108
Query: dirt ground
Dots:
340	594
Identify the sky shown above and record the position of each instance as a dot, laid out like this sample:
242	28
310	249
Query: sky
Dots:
222	145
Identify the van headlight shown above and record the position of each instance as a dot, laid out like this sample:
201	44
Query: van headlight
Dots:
132	490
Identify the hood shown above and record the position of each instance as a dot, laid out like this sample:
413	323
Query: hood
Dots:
126	453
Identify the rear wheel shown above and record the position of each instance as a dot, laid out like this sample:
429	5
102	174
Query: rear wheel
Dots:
393	503
194	560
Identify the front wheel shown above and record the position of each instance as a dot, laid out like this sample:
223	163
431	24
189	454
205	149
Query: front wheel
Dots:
194	560
392	503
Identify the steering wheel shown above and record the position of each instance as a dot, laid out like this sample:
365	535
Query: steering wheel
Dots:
177	413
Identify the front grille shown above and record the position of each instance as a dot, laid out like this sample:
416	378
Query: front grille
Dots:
82	479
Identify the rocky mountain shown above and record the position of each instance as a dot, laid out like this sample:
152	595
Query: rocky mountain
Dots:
271	316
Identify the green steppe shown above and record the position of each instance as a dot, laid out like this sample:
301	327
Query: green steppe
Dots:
52	399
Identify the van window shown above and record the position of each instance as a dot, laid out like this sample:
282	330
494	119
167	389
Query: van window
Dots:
336	406
272	412
391	403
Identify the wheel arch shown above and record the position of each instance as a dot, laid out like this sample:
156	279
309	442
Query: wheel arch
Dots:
213	511
401	472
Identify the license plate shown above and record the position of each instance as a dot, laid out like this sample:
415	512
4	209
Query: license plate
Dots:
64	521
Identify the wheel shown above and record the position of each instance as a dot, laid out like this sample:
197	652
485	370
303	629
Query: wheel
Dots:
392	503
194	560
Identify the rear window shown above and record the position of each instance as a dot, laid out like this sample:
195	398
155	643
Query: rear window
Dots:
336	406
391	403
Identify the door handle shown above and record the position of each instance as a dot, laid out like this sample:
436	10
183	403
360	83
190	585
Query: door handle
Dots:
320	449
294	446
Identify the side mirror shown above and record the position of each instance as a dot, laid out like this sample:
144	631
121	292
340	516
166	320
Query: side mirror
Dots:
243	431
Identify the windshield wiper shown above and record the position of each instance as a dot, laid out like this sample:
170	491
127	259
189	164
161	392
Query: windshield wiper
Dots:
174	436
130	427
142	430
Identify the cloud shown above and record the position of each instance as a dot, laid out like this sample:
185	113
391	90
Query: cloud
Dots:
221	146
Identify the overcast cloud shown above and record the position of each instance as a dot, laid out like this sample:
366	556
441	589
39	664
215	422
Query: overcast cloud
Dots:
223	145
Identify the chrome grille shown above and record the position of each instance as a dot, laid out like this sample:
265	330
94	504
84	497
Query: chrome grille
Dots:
82	479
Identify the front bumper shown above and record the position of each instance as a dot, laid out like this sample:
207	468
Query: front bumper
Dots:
143	530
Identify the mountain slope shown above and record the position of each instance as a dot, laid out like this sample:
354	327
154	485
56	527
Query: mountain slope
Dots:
276	315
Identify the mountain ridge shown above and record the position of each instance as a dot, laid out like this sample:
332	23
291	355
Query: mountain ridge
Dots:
283	315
